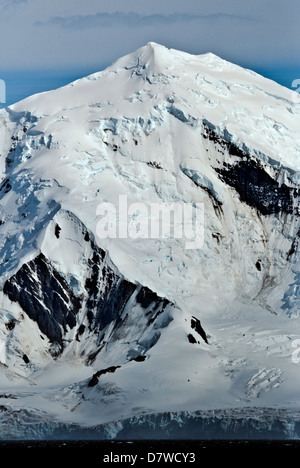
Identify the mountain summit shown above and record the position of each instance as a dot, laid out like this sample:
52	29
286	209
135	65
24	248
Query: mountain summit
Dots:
116	331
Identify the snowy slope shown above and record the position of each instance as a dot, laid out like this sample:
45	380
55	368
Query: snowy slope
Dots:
94	330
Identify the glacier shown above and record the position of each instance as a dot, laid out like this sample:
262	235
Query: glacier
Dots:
122	337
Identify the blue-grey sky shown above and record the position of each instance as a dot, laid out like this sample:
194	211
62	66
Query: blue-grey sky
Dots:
45	44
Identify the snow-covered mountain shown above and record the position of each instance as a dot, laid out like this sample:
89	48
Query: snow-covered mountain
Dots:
109	334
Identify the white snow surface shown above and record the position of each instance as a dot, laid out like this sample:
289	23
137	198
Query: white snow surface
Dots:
136	129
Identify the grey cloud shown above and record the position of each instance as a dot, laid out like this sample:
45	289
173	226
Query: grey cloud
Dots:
8	3
134	20
11	4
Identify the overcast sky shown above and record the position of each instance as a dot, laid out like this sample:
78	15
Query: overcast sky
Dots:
90	34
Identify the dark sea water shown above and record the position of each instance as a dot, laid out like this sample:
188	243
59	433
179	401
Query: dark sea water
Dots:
146	444
147	452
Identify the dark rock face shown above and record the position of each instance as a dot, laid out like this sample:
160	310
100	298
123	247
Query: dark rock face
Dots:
108	292
45	297
223	142
57	231
192	339
49	299
196	325
5	186
256	188
294	246
94	380
248	176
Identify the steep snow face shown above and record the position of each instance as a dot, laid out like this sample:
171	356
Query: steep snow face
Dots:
230	97
80	301
127	326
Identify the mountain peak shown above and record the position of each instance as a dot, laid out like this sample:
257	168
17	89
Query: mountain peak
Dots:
201	87
99	309
156	59
155	46
152	57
